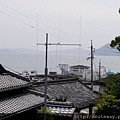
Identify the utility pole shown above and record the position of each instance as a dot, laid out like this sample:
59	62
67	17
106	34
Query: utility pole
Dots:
46	72
46	69
91	65
99	69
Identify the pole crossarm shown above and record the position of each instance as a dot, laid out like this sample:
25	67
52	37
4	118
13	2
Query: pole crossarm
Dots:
58	44
46	69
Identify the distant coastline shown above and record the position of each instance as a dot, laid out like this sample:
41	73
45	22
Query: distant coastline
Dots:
105	50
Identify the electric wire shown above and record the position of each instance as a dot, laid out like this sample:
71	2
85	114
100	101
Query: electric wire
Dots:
37	21
37	46
17	19
77	61
42	24
79	40
31	26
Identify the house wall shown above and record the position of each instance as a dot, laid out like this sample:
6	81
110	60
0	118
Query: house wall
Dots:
79	71
102	88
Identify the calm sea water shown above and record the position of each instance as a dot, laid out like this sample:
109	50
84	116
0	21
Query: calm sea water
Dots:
22	62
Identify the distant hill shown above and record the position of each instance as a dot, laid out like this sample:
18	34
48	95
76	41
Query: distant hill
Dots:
32	51
17	50
106	50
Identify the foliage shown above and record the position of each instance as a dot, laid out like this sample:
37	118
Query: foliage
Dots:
113	87
108	102
49	115
61	98
119	10
116	43
107	105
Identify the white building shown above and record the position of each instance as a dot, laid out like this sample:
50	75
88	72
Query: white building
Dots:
80	70
84	72
64	68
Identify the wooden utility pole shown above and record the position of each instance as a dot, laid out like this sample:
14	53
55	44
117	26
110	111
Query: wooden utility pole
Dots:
99	69
46	69
91	65
46	72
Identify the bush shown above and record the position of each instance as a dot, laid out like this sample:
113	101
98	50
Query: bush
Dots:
49	115
61	98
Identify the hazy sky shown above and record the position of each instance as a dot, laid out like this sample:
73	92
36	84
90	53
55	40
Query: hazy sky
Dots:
66	21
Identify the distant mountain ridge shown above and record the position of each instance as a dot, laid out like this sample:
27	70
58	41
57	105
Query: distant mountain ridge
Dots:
17	50
25	51
106	50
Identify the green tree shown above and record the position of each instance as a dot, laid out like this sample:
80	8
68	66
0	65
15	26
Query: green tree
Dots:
108	102
116	43
119	10
113	86
107	105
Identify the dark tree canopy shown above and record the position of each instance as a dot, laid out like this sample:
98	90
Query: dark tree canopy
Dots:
116	43
113	87
108	102
108	105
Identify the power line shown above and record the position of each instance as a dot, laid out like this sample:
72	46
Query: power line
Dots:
31	26
42	24
37	21
77	61
16	19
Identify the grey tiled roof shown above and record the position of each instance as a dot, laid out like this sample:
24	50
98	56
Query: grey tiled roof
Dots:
18	103
61	108
62	111
77	93
15	94
8	82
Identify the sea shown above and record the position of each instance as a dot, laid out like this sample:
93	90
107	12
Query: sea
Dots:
20	62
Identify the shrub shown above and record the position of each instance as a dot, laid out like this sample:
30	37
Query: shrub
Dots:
49	115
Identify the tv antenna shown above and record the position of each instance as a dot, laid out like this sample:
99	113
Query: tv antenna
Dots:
46	69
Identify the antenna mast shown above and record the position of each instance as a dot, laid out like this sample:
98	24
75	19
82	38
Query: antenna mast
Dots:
46	69
91	65
99	69
46	72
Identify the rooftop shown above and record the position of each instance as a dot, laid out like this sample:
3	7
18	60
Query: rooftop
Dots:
19	102
77	93
8	82
103	80
16	95
80	66
61	108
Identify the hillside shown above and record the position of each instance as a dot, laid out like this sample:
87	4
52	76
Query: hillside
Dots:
32	51
17	50
106	50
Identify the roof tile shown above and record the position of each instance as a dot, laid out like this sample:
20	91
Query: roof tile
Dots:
8	82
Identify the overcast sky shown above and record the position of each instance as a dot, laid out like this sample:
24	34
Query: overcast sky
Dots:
66	21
